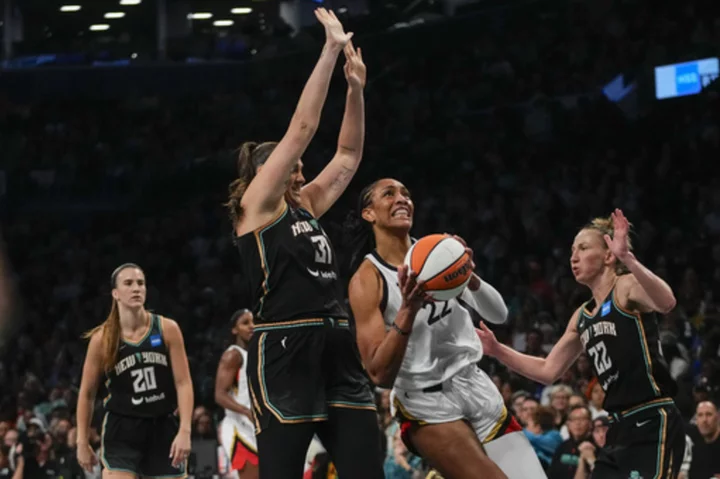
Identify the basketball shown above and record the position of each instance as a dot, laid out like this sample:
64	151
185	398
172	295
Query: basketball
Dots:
442	262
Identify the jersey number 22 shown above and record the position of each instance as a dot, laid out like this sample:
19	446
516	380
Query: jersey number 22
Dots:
600	359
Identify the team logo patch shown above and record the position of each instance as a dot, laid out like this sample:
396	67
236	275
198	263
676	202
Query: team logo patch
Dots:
155	340
605	309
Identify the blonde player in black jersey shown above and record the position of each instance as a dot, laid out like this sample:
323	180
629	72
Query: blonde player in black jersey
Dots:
304	372
142	356
618	329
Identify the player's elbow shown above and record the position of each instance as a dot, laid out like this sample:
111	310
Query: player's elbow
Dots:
381	377
500	316
302	129
549	374
668	305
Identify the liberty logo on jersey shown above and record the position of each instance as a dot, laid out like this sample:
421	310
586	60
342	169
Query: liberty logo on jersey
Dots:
635	475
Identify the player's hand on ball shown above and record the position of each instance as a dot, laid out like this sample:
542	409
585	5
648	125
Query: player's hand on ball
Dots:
180	449
86	457
413	291
474	283
488	339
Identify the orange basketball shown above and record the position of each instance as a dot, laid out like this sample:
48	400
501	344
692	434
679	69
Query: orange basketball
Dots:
442	262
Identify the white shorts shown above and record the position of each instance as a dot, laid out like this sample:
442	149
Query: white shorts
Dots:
471	395
238	440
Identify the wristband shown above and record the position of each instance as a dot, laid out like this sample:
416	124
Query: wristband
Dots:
400	331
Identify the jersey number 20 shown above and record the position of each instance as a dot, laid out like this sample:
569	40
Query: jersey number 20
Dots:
143	379
599	356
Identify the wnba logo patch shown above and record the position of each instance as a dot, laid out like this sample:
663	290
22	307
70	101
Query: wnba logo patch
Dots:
155	340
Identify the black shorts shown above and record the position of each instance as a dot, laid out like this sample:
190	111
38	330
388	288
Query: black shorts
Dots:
647	443
296	373
140	445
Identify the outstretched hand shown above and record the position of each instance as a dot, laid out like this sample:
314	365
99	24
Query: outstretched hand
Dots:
618	244
488	339
355	70
335	35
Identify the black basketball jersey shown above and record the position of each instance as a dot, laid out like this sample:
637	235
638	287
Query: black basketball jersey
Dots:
142	384
624	349
291	269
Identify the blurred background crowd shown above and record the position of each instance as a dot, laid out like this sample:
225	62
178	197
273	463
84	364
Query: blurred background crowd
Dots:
500	122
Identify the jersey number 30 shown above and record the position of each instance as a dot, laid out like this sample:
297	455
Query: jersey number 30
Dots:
599	356
143	379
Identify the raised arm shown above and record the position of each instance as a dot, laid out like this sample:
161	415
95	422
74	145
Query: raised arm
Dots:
230	363
382	350
642	289
543	370
326	188
266	190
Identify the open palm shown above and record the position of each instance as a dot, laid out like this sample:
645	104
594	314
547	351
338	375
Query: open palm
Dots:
618	244
334	33
355	70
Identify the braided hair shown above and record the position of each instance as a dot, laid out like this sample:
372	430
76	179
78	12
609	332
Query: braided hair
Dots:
359	237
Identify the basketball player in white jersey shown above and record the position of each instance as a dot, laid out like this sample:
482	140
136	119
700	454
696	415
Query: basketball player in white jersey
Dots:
450	411
231	392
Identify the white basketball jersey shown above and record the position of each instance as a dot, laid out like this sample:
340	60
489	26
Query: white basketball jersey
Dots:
240	392
443	339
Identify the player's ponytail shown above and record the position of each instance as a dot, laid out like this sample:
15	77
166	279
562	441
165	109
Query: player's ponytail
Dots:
110	328
360	239
251	155
605	226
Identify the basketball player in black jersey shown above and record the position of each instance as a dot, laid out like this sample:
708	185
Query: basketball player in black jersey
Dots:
304	372
618	329
142	356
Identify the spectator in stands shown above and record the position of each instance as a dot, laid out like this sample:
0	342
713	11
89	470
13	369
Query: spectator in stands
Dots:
529	407
566	459
403	464
588	449
706	446
542	434
596	397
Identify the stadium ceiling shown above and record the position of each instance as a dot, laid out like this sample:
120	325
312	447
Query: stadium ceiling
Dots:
48	18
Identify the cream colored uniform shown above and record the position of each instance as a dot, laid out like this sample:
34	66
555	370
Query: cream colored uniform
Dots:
238	427
439	380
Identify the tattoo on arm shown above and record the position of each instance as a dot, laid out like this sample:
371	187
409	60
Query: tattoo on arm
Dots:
342	179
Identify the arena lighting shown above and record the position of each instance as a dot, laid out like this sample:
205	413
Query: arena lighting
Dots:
241	11
223	23
199	16
99	27
130	2
70	8
114	14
